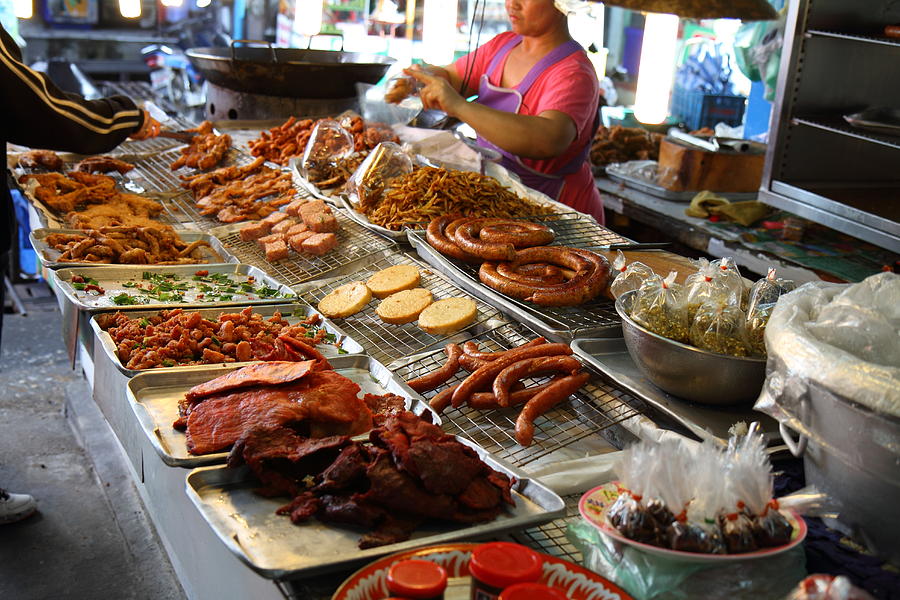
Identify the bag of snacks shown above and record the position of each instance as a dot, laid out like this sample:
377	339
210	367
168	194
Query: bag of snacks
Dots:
386	162
628	513
697	528
720	328
768	290
706	286
659	306
628	277
727	270
328	144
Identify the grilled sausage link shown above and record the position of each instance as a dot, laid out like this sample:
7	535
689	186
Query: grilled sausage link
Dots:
544	401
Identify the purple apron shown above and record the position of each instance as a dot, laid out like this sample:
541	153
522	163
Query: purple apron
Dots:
510	100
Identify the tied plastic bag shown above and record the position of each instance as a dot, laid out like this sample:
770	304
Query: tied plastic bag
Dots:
659	306
401	87
385	163
628	277
720	328
328	144
727	270
763	296
706	286
827	587
628	513
697	529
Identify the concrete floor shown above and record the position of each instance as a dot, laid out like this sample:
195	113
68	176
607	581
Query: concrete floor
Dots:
91	537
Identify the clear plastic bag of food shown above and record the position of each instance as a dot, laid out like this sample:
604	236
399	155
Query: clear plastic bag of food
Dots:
628	277
828	587
328	144
628	513
400	88
768	290
720	328
385	163
659	306
697	529
757	320
707	286
728	272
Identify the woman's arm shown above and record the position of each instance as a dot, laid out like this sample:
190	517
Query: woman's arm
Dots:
543	136
40	115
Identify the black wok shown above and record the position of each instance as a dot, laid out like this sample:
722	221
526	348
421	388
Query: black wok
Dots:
291	72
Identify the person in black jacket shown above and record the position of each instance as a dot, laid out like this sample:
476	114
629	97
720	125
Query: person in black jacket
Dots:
36	113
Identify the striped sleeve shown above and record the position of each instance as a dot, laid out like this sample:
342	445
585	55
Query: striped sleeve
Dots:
40	115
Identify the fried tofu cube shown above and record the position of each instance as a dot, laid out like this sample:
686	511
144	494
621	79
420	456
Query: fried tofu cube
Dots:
320	243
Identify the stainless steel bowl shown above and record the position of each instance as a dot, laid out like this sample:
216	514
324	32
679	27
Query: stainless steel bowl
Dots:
688	372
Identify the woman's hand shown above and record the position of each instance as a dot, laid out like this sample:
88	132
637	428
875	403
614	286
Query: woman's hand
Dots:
437	92
149	129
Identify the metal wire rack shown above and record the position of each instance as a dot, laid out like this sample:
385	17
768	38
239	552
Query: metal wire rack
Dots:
565	322
354	243
595	407
384	341
550	538
156	174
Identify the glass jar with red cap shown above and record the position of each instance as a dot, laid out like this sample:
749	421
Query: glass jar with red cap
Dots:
531	591
499	565
417	580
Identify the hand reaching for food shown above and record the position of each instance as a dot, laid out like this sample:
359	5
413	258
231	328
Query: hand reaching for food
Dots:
149	129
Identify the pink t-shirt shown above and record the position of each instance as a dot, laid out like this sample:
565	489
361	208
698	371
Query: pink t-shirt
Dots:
569	86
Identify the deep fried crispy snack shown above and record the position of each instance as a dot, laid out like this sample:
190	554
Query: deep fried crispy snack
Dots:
127	245
621	144
102	164
41	159
206	149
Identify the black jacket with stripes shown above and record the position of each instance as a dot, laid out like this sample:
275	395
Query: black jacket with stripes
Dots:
36	113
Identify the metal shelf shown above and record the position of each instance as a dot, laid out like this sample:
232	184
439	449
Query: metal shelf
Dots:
869	39
839	126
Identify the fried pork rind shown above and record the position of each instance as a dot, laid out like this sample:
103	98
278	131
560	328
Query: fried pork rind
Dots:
432	192
128	245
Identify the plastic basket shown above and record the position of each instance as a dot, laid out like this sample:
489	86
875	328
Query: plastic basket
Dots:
698	109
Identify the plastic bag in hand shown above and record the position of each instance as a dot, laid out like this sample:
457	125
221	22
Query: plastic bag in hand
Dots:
385	163
659	306
328	144
628	277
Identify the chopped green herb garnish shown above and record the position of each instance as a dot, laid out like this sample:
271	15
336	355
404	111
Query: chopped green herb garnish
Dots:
342	351
79	286
168	362
144	322
124	299
129	284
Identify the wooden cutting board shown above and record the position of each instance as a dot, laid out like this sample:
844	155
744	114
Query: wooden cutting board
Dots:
686	168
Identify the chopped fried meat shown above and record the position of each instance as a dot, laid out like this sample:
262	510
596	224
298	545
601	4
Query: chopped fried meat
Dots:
346	471
301	508
444	467
127	245
350	510
391	530
102	164
41	159
206	149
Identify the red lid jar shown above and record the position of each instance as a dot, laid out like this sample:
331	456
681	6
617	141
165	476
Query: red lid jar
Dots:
417	580
498	565
531	591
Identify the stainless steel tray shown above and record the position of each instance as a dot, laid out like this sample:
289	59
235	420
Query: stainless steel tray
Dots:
154	398
583	424
654	189
49	257
292	313
611	357
385	341
597	318
354	243
79	307
273	547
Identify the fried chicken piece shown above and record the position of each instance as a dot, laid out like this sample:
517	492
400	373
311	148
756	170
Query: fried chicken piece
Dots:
102	164
41	159
206	149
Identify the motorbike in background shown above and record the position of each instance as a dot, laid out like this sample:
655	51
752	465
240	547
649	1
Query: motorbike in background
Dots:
172	75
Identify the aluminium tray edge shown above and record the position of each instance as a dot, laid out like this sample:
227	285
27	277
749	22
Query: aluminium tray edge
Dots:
549	502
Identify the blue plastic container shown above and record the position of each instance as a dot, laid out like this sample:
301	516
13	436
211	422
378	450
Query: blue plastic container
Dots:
698	110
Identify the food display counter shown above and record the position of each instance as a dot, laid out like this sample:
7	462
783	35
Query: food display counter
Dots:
222	538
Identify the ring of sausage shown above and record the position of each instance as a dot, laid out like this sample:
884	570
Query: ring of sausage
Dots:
437	235
466	236
521	234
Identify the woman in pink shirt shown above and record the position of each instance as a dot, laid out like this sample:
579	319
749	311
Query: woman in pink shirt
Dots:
537	102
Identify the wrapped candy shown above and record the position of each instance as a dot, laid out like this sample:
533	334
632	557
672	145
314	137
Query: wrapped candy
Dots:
728	272
659	306
628	277
755	522
706	286
697	529
628	513
720	328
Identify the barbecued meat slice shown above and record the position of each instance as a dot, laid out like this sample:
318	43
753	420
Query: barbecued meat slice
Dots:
384	405
401	493
102	164
391	530
325	402
268	373
444	467
346	471
281	459
350	510
480	494
301	508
